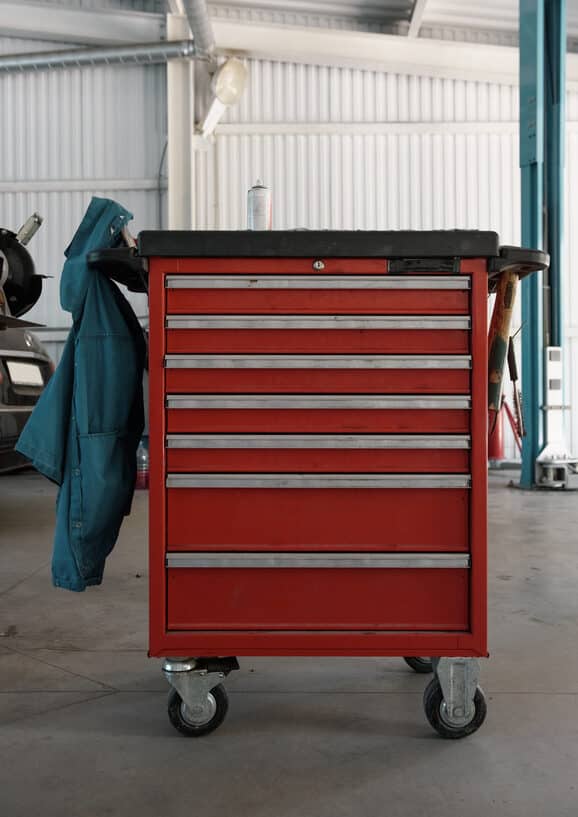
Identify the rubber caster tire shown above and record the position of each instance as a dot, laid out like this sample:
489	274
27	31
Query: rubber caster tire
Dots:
433	701
187	725
421	665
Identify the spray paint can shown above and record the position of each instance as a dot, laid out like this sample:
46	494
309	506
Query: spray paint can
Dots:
259	216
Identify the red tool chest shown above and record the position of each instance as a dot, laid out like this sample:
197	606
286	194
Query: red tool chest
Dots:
318	443
318	427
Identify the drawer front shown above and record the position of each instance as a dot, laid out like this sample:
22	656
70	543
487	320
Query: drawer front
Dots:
312	519
184	460
317	599
306	294
280	266
335	381
362	421
323	453
280	341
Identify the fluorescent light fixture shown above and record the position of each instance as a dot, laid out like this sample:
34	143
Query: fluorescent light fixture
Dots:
227	85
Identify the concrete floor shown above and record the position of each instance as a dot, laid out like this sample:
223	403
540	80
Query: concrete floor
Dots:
84	731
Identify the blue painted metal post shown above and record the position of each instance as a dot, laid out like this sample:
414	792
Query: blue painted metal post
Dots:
532	171
555	22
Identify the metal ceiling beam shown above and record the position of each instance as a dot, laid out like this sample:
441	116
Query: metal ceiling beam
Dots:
378	52
416	18
391	11
382	52
80	26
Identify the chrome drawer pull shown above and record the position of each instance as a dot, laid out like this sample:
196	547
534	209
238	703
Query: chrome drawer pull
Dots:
317	401
318	560
317	322
318	362
386	481
331	441
423	282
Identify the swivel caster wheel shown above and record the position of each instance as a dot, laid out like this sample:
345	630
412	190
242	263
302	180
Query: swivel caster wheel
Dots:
421	665
436	712
203	719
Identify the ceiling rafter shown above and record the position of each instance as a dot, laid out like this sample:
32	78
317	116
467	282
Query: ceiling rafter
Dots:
80	26
416	18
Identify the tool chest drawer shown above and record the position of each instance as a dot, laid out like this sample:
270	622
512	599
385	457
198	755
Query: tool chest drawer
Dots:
322	294
317	512
302	374
366	597
327	335
393	453
363	414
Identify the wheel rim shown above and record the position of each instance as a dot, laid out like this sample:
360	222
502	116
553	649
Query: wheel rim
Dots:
444	717
200	714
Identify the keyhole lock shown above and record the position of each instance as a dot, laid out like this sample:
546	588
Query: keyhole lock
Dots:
318	265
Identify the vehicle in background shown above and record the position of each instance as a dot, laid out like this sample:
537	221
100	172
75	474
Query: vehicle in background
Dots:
25	366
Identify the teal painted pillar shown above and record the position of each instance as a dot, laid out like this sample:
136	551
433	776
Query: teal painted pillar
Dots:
532	172
555	24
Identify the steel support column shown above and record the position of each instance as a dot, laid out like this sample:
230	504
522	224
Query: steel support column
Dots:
555	24
532	171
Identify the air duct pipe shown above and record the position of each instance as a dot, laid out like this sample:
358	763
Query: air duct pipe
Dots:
200	25
142	54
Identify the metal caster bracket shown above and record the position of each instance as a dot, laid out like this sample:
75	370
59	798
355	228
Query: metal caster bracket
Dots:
194	678
458	679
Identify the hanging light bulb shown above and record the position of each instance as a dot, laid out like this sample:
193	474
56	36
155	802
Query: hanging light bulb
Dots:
228	85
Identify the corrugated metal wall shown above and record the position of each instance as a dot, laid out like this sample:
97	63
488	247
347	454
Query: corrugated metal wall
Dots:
69	135
351	149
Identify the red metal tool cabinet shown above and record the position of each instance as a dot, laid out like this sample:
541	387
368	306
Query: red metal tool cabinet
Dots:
318	433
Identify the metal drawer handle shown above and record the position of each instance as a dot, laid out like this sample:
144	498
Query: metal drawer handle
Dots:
317	401
390	282
317	322
319	560
383	481
318	362
330	441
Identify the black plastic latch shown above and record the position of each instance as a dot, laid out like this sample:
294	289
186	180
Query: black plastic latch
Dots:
400	266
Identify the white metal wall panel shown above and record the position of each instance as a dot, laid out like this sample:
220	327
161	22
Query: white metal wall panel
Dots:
68	135
285	92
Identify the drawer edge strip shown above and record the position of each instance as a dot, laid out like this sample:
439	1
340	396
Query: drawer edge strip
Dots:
283	441
318	560
302	481
317	322
316	402
351	282
440	362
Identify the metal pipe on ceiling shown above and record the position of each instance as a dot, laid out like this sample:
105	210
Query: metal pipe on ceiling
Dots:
200	25
141	54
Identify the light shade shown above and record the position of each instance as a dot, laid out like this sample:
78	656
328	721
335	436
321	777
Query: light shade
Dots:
229	81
